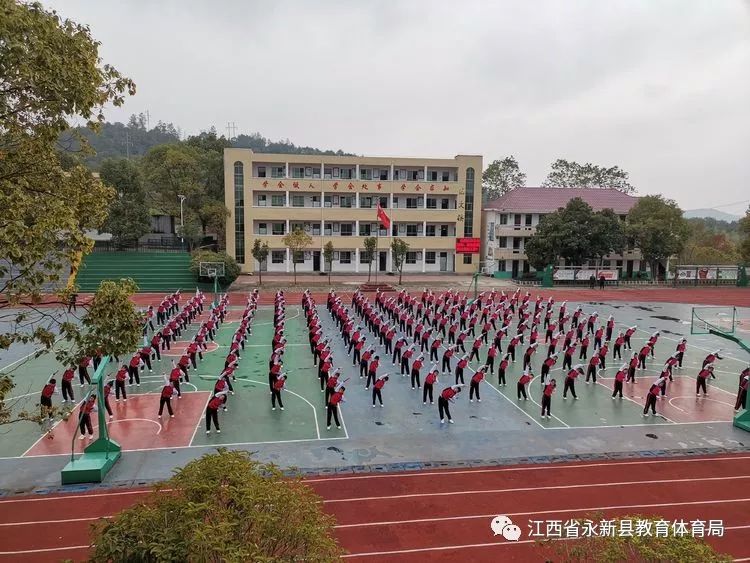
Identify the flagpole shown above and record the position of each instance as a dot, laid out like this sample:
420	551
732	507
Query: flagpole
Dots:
377	247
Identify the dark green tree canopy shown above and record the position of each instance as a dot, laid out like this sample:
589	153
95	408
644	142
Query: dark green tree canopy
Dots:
128	218
569	174
656	226
501	176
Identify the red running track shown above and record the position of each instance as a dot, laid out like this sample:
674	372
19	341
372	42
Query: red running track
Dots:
445	515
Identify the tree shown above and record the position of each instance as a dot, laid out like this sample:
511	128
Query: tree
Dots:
566	233
110	325
260	253
607	234
569	174
501	176
370	248
709	242
231	268
657	228
744	248
328	257
128	218
399	248
297	241
50	75
221	507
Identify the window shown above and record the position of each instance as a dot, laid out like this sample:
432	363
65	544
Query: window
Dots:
444	230
261	171
308	171
346	201
278	256
411	257
415	175
430	231
239	212
298	201
365	174
445	203
298	172
366	229
262	228
346	173
278	200
298	257
327	173
502	242
383	201
432	175
316	229
503	218
262	200
467	258
605	264
429	257
469	207
327	201
411	202
411	230
365	202
492	230
501	266
277	228
316	172
517	220
278	171
345	257
402	174
384	174
446	176
431	203
347	229
528	219
516	243
327	230
315	201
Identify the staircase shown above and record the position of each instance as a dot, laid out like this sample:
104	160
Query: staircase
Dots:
152	271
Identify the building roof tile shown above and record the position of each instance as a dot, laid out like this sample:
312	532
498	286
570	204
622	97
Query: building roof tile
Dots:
548	200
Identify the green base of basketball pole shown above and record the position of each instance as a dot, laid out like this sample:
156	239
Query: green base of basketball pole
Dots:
99	457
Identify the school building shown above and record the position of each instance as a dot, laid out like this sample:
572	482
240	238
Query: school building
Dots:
433	204
512	218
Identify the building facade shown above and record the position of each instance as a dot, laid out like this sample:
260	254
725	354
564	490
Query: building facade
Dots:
511	219
431	204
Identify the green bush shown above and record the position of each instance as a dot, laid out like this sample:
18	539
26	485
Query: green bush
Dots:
231	268
221	507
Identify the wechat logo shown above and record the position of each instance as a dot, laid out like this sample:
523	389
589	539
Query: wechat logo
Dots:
504	526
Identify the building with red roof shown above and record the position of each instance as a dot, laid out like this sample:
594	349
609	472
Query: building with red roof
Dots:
512	218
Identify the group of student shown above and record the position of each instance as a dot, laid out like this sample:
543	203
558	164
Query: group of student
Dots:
406	328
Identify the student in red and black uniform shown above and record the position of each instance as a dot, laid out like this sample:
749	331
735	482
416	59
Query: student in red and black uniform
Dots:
278	387
617	351
712	357
741	402
547	397
184	364
174	378
212	412
523	381
447	355
680	351
460	367
570	381
156	345
133	369
593	365
446	396
273	373
107	392
166	399
700	381
332	383
568	357
583	353
83	372
405	357
527	355
546	367
642	355
628	335
45	400
372	371
145	354
502	368
67	385
429	382
377	388
620	380
416	366
84	421
632	365
364	361
332	410
653	393
476	379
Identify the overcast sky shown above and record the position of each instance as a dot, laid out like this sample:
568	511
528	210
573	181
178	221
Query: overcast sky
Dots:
660	88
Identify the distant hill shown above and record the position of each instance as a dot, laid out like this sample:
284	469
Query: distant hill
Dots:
711	214
134	139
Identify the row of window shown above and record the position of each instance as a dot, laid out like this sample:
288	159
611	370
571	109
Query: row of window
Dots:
346	257
350	201
365	229
348	173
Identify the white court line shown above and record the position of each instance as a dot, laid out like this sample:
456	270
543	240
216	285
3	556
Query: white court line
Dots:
96	426
544	467
531	489
46	550
529	513
315	412
701	398
200	420
44	435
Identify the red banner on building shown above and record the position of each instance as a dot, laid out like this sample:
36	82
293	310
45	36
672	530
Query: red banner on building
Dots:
467	245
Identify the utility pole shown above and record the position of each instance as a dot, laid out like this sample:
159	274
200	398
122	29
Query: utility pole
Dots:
148	120
127	144
231	130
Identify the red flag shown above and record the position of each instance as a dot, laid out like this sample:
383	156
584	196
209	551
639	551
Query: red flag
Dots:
383	218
